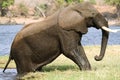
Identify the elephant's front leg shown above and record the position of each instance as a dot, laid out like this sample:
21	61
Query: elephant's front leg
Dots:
73	49
80	58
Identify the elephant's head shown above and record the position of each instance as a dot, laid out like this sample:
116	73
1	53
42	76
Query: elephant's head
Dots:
81	16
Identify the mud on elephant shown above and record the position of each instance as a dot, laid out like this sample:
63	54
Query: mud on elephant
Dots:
38	44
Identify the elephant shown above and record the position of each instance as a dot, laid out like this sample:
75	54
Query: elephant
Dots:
40	43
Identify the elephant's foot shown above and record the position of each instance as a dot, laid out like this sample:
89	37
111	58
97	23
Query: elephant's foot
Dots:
84	67
82	61
24	67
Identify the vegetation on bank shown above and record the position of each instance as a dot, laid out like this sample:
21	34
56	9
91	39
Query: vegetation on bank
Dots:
117	4
21	14
18	13
38	10
43	9
4	4
64	69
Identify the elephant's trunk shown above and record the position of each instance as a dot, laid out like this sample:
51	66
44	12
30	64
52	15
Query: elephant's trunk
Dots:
104	41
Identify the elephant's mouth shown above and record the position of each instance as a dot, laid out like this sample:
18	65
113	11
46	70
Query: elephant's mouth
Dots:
110	30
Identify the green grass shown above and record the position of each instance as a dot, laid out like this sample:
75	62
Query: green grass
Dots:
64	69
3	61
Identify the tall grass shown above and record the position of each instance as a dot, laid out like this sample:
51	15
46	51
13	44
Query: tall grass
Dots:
64	69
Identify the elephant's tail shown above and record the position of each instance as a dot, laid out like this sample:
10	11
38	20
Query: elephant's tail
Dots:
7	63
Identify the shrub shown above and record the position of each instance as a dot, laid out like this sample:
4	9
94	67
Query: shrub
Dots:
4	4
23	9
115	3
7	3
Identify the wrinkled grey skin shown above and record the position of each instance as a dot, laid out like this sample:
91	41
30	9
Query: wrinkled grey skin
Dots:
38	44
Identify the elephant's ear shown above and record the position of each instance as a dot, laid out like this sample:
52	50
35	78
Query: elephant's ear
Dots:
86	9
70	19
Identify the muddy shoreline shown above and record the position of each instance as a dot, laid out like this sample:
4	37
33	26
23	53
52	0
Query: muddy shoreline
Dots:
23	21
18	20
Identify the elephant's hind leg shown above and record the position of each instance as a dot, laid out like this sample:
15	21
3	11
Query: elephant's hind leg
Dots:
23	66
22	58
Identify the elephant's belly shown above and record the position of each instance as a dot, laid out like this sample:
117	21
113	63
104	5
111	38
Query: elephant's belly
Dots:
45	55
44	59
45	49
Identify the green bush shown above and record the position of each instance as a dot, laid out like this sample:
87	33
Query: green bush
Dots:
6	3
61	2
43	6
113	2
23	9
67	2
72	1
93	1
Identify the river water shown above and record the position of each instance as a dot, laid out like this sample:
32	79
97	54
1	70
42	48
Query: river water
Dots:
93	37
10	74
8	32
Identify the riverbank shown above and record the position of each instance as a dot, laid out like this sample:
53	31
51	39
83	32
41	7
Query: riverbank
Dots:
115	22
107	10
22	20
107	69
18	20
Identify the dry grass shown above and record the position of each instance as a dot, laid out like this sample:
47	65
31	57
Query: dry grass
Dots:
64	69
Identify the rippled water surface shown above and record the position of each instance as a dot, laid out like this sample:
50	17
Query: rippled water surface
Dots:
10	74
7	34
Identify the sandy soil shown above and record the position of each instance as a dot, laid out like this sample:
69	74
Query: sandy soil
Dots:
114	22
22	20
19	20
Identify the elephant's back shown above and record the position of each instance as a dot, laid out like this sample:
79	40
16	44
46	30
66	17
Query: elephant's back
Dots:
33	28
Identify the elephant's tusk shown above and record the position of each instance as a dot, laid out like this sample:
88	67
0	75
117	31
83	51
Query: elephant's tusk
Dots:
110	30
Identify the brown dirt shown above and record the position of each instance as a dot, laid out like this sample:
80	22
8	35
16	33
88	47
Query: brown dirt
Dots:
18	20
